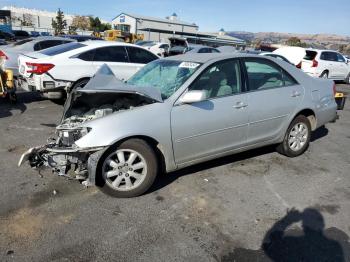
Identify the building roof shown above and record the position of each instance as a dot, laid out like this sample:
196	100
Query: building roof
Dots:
155	19
225	37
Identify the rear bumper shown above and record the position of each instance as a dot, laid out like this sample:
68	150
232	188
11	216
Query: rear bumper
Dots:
42	83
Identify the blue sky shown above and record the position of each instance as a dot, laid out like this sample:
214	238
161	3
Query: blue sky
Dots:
295	16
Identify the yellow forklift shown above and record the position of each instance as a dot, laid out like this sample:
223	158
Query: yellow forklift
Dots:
7	87
121	33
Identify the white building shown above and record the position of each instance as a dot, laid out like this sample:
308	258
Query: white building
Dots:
155	29
158	29
37	18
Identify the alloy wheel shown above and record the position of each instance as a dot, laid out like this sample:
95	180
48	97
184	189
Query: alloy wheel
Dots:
124	169
298	137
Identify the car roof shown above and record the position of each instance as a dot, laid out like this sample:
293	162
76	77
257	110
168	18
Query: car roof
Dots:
206	57
43	38
99	43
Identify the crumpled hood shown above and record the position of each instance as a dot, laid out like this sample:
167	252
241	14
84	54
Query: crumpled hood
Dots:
103	91
106	82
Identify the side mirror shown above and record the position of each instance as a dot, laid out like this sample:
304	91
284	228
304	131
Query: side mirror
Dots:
193	97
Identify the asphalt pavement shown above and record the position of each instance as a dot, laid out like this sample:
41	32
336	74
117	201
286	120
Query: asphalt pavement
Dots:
253	206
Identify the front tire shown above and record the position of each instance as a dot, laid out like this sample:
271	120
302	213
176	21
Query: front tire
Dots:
297	138
128	170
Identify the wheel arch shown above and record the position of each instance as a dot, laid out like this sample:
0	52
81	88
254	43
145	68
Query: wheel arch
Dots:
79	80
310	115
153	143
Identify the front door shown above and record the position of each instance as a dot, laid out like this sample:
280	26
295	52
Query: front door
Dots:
272	98
216	125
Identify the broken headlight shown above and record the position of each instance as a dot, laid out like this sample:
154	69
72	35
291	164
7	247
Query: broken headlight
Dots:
68	137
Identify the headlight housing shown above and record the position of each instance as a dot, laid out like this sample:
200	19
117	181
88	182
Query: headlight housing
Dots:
68	137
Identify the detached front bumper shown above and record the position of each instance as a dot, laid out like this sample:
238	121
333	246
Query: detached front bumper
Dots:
73	162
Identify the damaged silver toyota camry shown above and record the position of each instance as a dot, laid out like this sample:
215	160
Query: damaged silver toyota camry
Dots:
179	111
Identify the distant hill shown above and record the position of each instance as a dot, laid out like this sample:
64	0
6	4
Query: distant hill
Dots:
330	41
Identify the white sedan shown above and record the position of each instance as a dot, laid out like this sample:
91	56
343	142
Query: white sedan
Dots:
58	69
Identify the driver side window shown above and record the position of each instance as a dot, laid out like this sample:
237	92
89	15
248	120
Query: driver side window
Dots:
220	79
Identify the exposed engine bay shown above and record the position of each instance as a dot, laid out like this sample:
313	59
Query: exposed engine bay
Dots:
89	106
61	154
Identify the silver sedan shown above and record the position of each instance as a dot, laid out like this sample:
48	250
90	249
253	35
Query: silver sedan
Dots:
179	111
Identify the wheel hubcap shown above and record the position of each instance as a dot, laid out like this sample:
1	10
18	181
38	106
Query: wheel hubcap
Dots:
124	169
298	137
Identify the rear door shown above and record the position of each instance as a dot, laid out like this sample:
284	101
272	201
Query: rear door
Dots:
272	98
116	58
138	58
342	66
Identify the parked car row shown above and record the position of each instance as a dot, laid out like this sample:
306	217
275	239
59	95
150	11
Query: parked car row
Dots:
318	63
10	53
57	70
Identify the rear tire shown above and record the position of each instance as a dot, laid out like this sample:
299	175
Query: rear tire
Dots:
297	138
128	169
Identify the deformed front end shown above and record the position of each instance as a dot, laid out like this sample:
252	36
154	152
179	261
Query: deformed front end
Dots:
102	96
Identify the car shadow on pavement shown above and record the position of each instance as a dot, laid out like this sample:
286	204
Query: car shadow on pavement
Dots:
311	243
319	133
166	179
23	98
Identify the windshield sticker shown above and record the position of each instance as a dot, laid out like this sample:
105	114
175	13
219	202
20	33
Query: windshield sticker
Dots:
189	65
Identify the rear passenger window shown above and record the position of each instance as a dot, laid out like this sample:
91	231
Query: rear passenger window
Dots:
340	58
111	54
87	56
263	74
329	56
140	56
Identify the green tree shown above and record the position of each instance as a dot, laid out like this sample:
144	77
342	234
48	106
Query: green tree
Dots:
97	26
59	23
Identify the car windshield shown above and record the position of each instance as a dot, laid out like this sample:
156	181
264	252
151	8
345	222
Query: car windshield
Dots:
165	75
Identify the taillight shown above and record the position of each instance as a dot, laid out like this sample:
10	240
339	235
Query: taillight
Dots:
299	65
3	55
314	63
36	68
334	89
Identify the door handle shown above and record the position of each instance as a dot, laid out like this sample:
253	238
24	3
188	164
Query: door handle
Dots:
296	94
240	105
